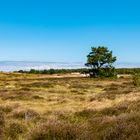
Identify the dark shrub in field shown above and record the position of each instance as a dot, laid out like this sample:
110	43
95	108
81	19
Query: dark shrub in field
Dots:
28	114
56	130
52	131
14	130
2	119
86	113
6	109
2	124
136	80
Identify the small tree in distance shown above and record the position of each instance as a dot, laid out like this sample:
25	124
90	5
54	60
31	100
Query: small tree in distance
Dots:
100	60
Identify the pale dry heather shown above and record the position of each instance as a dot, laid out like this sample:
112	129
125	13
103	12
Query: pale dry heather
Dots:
68	107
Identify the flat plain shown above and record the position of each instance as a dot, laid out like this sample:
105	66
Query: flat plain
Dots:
42	107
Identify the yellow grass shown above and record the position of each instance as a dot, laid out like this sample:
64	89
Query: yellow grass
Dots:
42	107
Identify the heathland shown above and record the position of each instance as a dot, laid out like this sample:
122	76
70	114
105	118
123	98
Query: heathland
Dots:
70	107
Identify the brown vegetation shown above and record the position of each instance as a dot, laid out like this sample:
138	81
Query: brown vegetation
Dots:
37	107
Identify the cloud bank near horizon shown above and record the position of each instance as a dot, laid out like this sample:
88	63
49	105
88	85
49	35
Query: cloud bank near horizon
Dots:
10	66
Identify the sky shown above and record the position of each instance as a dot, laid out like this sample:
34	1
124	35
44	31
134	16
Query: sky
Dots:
65	30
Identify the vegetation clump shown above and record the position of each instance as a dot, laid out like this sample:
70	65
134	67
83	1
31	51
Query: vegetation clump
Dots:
14	130
136	79
100	61
55	130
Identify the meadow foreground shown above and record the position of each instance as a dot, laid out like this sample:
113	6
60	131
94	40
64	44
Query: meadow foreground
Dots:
40	107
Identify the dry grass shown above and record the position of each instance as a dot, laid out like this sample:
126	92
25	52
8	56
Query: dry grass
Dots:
38	107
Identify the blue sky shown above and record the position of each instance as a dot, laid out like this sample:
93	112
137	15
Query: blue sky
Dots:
65	30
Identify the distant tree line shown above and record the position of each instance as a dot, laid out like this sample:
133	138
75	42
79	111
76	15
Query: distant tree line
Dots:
53	71
82	71
127	70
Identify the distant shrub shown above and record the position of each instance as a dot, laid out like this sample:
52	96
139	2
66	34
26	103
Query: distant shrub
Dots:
136	80
36	97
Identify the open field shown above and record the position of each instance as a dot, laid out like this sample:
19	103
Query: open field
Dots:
41	107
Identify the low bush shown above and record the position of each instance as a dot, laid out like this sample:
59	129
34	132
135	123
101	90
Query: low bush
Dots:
28	114
56	130
2	119
136	80
6	109
14	130
127	128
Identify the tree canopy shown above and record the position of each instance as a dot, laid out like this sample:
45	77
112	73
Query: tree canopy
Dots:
100	60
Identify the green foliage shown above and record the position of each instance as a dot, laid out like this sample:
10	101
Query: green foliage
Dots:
100	56
128	70
53	71
100	61
107	72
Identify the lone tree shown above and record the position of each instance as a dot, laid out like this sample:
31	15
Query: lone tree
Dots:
100	60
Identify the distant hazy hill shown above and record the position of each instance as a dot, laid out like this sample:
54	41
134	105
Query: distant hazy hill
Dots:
27	65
